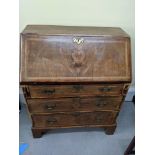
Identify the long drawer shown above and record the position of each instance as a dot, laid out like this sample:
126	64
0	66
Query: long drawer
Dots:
73	119
51	91
74	104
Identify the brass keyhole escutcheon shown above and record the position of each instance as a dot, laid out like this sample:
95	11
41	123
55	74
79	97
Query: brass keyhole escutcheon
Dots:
78	40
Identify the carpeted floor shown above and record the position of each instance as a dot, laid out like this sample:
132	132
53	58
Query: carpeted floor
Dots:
80	141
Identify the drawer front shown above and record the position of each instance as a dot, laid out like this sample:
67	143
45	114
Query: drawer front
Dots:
75	90
74	104
74	119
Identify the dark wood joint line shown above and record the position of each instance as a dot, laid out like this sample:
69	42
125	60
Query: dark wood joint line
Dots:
26	91
125	89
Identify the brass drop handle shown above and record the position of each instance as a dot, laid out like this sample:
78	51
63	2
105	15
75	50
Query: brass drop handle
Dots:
78	87
50	107
76	114
105	89
76	102
101	103
49	92
99	119
78	40
51	121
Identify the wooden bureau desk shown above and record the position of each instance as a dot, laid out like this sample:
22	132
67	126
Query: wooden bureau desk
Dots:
74	76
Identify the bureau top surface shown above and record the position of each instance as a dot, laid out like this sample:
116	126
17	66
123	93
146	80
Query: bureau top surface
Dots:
74	30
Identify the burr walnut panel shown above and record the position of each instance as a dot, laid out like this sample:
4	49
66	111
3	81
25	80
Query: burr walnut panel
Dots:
74	58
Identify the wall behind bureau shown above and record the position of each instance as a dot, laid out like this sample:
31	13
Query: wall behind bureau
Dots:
113	13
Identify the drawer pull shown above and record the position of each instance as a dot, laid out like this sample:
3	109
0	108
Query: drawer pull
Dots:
50	107
105	89
101	103
76	100
78	87
51	121
76	114
99	119
49	92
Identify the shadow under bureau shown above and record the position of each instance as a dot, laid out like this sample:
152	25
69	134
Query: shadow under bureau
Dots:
74	76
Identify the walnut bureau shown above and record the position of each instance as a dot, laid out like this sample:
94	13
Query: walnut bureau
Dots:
74	76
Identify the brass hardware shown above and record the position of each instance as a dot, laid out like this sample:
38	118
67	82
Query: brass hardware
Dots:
51	121
105	89
78	87
49	92
78	41
50	107
101	103
99	119
76	114
76	102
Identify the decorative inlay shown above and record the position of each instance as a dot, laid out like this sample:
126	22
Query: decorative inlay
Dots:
78	57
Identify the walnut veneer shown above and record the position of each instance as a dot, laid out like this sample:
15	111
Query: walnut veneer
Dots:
74	76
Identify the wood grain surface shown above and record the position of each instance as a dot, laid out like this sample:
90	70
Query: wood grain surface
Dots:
74	76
